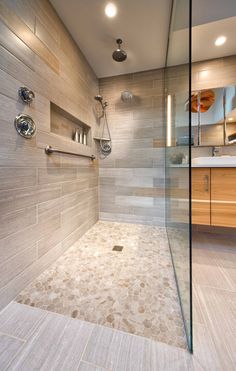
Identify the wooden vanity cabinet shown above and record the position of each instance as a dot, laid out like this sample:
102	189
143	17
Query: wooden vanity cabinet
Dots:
214	196
201	183
223	197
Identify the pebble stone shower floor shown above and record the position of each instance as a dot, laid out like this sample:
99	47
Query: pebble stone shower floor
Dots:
132	290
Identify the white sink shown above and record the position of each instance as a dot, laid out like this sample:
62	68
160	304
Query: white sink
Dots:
215	161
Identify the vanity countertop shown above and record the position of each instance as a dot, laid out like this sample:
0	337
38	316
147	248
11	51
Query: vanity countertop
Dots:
217	161
203	165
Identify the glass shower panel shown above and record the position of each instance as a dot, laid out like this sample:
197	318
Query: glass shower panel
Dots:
178	160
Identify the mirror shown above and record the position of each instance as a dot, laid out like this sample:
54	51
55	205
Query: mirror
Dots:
207	107
213	114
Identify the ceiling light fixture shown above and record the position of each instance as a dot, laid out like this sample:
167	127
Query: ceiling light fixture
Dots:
110	10
220	40
230	119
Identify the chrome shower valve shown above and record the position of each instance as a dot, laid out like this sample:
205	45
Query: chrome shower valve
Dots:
26	94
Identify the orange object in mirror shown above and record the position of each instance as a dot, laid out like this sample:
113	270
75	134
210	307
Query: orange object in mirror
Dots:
207	99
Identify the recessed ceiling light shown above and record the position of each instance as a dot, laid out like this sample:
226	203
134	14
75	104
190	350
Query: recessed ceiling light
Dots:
110	10
220	40
230	119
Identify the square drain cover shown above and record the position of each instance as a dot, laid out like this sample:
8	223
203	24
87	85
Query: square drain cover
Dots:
118	248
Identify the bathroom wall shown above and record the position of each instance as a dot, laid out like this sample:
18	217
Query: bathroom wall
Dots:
211	74
132	177
46	202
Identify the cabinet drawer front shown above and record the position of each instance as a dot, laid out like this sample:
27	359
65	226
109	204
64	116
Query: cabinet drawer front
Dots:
201	212
223	197
201	184
223	214
223	184
201	189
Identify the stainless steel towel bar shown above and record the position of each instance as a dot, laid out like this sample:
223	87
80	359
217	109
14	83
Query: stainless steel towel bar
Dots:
49	150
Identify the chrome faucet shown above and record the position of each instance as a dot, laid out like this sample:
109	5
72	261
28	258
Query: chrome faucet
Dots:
215	150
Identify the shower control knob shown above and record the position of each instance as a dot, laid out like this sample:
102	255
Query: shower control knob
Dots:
26	94
25	126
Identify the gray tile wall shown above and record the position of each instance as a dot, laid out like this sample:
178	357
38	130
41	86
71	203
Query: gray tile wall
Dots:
46	202
132	177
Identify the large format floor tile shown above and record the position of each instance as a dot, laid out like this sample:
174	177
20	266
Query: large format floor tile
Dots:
132	290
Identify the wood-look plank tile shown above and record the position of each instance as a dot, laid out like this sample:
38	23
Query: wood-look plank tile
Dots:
13	178
205	352
58	343
25	197
18	283
28	37
219	308
16	47
16	264
168	358
12	222
20	320
119	351
116	350
210	275
230	274
23	9
85	366
9	347
17	242
47	176
29	58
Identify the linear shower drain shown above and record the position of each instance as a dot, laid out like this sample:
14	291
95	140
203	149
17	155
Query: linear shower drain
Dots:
118	248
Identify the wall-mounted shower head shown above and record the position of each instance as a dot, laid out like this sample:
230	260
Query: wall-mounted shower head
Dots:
119	55
126	96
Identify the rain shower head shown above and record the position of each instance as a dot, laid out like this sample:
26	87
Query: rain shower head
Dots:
119	55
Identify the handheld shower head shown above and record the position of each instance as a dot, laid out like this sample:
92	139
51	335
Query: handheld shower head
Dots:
119	55
98	97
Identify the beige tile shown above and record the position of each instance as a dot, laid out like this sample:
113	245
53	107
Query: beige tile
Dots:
210	275
20	321
218	308
16	221
205	352
47	176
58	342
17	242
117	351
25	197
9	347
15	265
85	366
12	178
34	42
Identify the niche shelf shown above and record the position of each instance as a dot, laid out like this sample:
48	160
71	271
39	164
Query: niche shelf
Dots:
64	124
97	138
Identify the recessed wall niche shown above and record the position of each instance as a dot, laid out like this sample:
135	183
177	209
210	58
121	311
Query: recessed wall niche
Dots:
64	124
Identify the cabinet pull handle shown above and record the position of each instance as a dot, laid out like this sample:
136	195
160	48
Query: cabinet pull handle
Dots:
206	183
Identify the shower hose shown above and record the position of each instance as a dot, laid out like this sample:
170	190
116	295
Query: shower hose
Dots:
105	145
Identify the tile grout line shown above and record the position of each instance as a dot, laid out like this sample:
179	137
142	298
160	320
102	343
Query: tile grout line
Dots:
13	337
85	347
14	357
93	364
